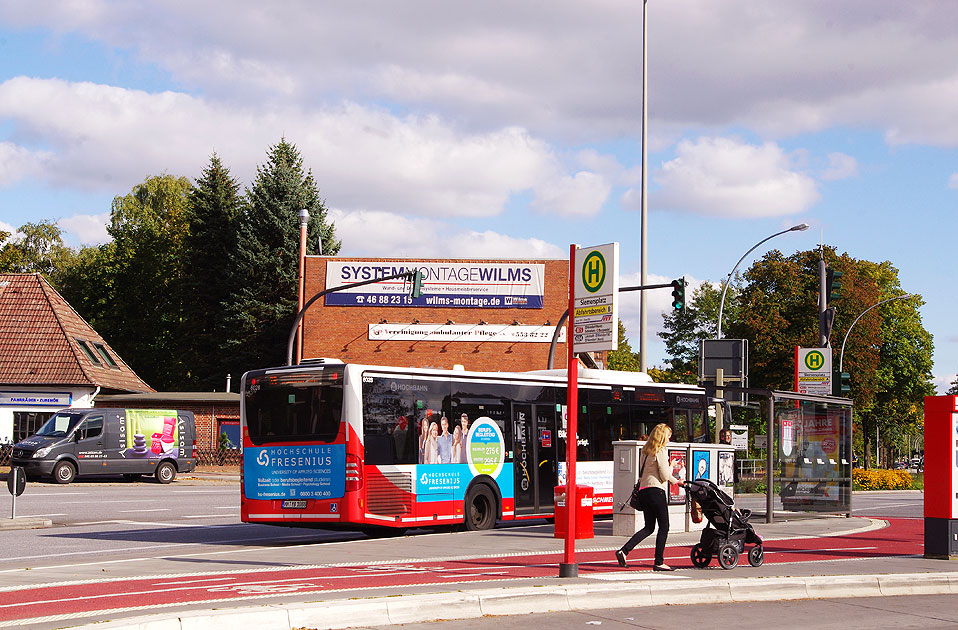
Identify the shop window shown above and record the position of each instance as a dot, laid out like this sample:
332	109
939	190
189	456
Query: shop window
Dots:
26	423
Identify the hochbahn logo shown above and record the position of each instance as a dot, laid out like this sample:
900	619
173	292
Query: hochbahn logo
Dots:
814	360
593	271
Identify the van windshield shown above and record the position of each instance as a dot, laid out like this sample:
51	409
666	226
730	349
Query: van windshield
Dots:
60	424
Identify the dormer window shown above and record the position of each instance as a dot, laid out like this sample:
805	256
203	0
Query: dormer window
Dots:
85	347
105	355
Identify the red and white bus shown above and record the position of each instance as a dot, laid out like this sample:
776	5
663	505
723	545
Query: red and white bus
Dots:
341	445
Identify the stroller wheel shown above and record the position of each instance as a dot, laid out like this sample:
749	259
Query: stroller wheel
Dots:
756	556
728	556
700	557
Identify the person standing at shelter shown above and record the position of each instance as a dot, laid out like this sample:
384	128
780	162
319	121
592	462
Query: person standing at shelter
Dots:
654	473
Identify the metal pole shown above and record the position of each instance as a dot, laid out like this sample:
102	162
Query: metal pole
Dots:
769	477
644	208
841	356
13	505
801	227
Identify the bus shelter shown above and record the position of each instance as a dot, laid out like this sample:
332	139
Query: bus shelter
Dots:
808	458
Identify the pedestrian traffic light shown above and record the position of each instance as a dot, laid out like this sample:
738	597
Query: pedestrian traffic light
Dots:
678	294
833	284
841	385
418	276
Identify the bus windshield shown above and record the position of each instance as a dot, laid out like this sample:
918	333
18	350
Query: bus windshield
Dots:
59	425
295	406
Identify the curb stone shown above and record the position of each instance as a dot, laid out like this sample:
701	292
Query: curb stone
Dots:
523	600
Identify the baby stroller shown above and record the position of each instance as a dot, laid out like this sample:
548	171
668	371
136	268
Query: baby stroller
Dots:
727	531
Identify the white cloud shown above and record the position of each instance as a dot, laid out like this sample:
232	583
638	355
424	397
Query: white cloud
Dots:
953	181
943	383
103	137
580	195
88	229
840	166
728	177
376	233
17	163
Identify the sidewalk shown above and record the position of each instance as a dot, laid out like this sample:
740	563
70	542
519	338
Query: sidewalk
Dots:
513	570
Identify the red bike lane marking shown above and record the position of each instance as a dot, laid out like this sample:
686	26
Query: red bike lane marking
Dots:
901	537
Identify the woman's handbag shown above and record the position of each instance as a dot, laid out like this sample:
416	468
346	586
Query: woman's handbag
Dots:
696	511
634	502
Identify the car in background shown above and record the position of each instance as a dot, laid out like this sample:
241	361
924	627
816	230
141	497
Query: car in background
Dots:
900	466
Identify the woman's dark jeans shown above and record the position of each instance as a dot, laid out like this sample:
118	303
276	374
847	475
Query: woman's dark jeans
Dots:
655	507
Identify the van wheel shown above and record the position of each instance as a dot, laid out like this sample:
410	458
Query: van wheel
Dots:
480	508
165	472
64	472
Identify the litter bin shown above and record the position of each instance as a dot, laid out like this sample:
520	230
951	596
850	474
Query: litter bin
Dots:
583	512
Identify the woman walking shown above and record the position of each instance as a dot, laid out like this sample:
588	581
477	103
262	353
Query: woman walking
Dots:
654	474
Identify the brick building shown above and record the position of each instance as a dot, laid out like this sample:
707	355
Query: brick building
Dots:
491	315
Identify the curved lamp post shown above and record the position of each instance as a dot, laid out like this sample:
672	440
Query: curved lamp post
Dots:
841	356
801	227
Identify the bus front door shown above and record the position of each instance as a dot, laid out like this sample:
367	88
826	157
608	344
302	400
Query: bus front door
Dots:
534	459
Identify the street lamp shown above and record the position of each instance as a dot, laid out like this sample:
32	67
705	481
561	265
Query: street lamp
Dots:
841	356
801	227
644	199
303	224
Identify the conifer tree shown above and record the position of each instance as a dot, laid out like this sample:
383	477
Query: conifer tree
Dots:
214	205
264	267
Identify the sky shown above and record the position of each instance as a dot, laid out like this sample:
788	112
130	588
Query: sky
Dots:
445	129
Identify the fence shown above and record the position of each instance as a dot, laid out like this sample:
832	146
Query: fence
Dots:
219	457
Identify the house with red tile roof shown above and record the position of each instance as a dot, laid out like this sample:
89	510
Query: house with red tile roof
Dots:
50	357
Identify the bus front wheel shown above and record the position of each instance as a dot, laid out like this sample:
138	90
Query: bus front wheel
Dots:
480	508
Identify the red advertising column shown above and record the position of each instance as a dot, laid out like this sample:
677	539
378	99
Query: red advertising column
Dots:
568	566
941	477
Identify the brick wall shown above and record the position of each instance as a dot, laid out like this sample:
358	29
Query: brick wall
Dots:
342	332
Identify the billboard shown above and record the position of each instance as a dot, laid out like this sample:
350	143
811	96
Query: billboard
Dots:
451	284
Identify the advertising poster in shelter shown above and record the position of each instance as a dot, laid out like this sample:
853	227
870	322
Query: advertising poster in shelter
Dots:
700	465
677	462
726	469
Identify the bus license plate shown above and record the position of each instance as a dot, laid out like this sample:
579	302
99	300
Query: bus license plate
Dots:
294	504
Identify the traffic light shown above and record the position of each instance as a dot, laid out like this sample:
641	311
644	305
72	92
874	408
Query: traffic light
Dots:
833	284
417	279
678	294
841	385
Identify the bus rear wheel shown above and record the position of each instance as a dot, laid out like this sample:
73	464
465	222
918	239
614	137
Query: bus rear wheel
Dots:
480	510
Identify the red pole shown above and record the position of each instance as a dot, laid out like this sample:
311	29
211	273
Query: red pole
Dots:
569	568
